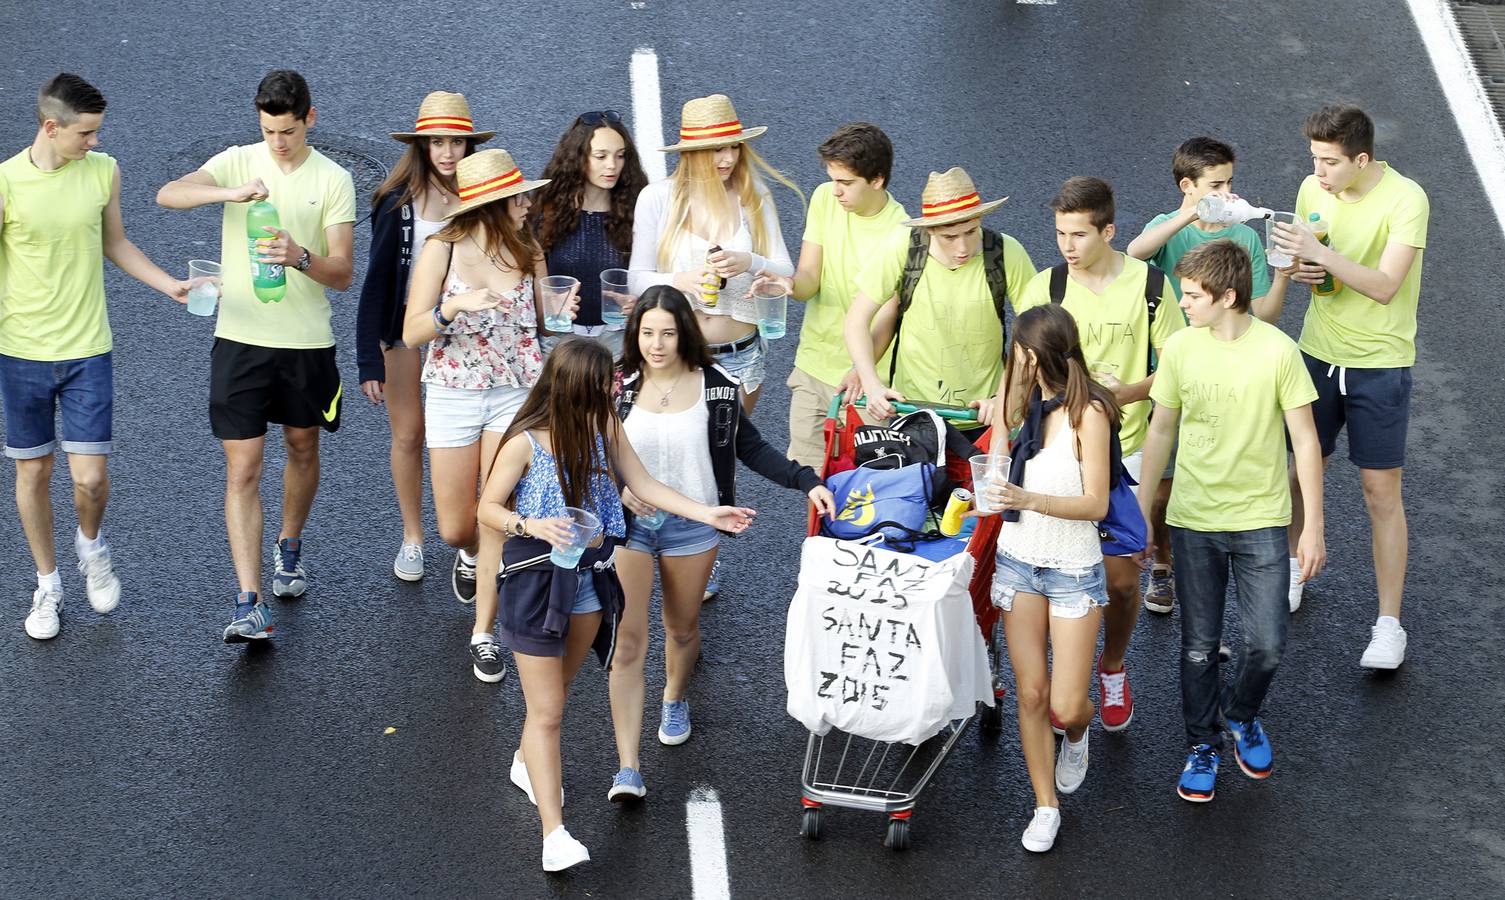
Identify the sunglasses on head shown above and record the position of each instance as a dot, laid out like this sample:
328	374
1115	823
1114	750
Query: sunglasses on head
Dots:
599	118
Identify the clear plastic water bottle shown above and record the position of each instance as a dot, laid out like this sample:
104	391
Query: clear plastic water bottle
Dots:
268	280
1216	209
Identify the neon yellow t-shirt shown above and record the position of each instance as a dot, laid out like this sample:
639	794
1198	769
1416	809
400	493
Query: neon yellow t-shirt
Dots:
846	241
317	194
1114	327
1349	329
1233	396
52	276
951	344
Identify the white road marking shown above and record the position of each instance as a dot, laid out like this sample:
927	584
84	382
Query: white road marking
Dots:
708	877
1035	2
648	112
1465	95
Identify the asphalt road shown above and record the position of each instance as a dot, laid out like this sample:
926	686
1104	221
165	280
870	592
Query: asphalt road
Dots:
144	758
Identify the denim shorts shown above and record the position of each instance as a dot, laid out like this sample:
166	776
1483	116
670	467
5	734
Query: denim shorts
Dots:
1375	404
33	392
746	365
586	600
676	537
1072	592
455	417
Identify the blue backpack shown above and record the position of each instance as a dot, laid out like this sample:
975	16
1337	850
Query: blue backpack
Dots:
893	501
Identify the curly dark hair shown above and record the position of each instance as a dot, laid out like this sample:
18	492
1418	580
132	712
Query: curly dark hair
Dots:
558	202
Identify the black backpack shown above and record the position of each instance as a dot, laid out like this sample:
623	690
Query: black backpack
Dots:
1154	287
914	267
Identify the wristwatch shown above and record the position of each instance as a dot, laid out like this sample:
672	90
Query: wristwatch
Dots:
304	262
520	527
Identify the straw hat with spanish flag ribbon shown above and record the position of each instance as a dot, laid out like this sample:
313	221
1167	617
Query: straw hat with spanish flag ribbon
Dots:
706	123
442	113
488	176
950	197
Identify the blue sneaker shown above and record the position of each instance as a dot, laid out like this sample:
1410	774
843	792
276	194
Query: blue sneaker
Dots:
252	622
288	577
628	785
674	723
1200	776
1251	747
712	588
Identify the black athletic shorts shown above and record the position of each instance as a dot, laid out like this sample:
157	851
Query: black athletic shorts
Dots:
250	386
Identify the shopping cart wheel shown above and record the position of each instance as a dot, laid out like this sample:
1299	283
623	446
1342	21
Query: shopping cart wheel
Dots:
897	837
990	718
810	823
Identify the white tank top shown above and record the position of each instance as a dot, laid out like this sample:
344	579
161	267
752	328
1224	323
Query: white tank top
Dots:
1046	541
423	229
675	447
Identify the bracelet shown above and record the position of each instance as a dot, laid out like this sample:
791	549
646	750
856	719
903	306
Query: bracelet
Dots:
440	323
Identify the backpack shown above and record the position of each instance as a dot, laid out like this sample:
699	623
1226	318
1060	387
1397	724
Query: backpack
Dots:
918	438
914	267
1154	287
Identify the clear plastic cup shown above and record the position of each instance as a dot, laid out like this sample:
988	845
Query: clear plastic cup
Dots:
771	302
614	297
204	281
584	530
1275	256
986	471
554	292
655	521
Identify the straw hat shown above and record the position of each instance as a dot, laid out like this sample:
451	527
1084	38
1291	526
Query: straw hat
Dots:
709	122
487	176
950	197
443	113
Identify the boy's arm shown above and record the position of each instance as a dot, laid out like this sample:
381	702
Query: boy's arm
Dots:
856	330
1151	240
1159	438
120	251
1269	307
200	189
334	271
807	276
1311	547
1379	285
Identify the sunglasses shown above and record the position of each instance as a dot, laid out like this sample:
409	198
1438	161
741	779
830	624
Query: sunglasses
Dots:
600	118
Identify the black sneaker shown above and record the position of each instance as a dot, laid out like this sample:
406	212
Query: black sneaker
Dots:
463	579
486	661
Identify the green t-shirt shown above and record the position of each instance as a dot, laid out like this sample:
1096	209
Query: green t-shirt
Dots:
1233	396
951	346
846	241
317	194
1349	329
52	276
1191	236
1114	328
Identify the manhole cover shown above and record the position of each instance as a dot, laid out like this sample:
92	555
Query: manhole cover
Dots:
357	155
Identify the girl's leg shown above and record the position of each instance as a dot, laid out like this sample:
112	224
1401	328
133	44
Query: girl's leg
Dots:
1025	629
453	471
1073	647
684	580
489	552
543	684
404	401
635	569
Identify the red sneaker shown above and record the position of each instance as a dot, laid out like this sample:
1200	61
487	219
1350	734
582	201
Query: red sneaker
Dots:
1116	701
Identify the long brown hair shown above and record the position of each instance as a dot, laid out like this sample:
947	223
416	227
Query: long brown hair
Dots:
413	174
572	401
504	243
690	341
696	185
559	200
1051	332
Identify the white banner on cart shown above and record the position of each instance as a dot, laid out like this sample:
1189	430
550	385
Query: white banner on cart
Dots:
882	645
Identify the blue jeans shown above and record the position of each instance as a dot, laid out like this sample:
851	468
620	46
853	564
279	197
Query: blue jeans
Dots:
1261	576
33	393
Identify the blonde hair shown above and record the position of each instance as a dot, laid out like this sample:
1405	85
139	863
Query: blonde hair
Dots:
695	185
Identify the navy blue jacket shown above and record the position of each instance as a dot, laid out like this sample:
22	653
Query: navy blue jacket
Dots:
384	295
537	596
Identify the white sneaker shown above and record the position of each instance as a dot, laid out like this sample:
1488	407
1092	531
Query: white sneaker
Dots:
560	851
520	778
1387	645
1071	766
1297	586
46	616
1040	836
100	583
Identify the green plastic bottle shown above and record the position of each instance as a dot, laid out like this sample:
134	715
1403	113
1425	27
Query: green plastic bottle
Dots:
1329	285
267	279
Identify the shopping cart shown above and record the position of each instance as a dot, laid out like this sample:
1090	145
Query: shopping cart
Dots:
847	771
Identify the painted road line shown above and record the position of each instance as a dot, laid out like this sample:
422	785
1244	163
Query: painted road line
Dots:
708	877
1465	96
647	112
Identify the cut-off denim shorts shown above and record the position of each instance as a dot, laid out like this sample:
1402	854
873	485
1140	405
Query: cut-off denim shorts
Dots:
676	537
1072	592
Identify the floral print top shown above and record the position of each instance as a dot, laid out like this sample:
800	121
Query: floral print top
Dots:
490	348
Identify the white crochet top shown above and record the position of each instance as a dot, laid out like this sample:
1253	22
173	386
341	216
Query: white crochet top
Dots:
1046	541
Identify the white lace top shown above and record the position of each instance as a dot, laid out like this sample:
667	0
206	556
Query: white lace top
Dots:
676	447
1045	541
